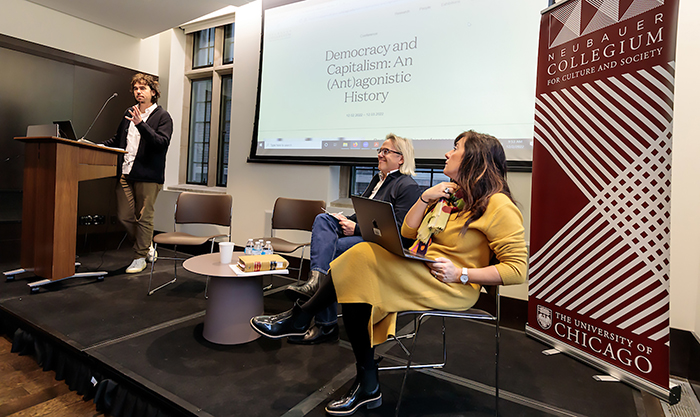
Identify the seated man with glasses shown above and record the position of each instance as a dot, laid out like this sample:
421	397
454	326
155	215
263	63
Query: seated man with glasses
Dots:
333	234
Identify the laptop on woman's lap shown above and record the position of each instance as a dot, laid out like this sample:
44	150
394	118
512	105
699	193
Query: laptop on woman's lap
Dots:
377	223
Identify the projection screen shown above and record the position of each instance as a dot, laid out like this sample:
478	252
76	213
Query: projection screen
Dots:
336	76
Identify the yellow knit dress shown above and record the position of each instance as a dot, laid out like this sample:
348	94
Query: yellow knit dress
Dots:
367	273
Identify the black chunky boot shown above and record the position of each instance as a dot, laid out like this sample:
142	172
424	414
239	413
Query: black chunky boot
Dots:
306	290
294	322
364	392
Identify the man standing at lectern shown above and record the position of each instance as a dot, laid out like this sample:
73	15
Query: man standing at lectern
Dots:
145	135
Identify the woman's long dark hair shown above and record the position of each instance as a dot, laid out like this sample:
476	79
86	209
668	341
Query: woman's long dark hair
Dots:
482	173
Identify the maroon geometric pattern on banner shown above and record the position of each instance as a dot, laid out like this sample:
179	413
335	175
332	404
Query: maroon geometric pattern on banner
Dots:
601	191
611	261
577	18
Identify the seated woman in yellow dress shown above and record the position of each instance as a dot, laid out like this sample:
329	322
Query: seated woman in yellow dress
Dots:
460	224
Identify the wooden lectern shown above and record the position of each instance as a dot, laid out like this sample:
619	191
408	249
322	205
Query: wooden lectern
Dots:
52	169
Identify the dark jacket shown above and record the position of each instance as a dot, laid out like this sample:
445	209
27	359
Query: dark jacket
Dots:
400	190
149	165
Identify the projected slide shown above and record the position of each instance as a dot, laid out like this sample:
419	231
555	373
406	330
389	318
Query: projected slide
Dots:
338	75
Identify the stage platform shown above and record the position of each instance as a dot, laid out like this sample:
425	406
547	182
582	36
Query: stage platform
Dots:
151	349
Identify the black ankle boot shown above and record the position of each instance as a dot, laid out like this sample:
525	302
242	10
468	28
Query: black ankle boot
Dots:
360	394
306	290
292	322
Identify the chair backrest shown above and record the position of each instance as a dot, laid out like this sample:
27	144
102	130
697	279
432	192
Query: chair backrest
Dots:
291	213
203	208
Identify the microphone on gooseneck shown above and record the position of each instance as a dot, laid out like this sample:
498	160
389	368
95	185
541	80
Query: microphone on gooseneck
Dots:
98	114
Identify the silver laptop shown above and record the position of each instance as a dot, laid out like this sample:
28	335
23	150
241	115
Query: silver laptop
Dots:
62	129
377	223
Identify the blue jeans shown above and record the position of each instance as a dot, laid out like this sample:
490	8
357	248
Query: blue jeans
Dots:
327	243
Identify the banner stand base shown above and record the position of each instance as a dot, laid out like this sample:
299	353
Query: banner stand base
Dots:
671	396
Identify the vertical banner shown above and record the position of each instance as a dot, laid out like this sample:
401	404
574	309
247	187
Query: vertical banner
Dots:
601	185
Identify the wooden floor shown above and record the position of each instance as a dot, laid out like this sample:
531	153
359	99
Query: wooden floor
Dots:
26	390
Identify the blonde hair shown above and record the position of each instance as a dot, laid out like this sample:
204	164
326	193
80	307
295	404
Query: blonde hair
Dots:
405	146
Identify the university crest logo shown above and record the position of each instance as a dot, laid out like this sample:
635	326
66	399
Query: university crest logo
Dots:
544	317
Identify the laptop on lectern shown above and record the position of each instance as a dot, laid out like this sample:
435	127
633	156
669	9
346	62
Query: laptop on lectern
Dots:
65	130
62	129
377	223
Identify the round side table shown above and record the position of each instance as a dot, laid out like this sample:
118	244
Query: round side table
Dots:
232	301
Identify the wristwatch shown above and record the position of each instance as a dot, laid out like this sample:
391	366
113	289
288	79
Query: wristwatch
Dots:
465	276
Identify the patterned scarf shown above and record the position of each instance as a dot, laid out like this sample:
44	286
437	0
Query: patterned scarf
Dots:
436	219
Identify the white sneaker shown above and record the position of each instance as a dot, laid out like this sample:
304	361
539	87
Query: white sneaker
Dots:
152	254
136	266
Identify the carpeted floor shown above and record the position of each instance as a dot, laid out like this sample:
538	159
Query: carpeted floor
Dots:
156	342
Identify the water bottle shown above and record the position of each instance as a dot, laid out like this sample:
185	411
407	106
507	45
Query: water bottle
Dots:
267	249
257	249
249	247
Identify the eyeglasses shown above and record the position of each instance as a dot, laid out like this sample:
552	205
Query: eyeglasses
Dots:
387	151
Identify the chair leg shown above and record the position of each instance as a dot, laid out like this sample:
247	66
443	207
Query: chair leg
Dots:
301	264
444	344
206	286
498	339
157	288
497	355
119	246
175	262
161	286
153	264
408	368
397	339
151	291
417	321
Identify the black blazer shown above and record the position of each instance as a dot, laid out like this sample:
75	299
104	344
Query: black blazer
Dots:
400	190
149	165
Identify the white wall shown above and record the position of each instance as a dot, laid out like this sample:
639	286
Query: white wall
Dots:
685	198
172	81
38	24
521	187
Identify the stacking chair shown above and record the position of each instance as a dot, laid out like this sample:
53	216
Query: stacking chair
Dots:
420	316
193	208
293	214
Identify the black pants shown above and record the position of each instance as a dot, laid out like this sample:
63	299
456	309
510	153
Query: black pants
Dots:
355	317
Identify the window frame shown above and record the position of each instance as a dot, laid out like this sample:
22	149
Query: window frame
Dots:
207	144
348	179
221	143
217	72
233	43
210	50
